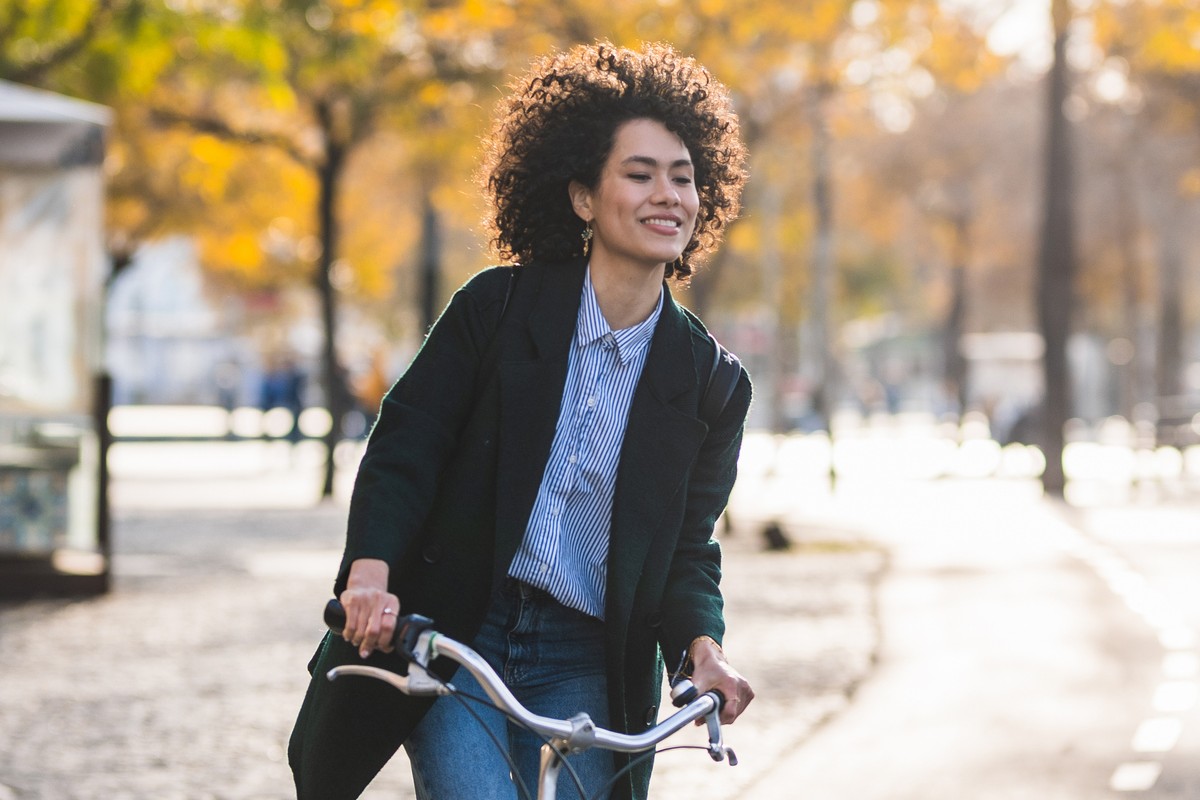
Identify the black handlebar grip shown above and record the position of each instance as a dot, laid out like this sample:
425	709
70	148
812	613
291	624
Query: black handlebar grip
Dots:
335	616
683	691
408	627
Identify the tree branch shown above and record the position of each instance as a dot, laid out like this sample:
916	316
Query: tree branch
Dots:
34	71
223	130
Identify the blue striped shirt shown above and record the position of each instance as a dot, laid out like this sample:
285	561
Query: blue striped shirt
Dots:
565	548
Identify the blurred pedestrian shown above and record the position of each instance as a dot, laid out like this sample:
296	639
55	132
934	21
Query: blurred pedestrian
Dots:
539	481
283	387
227	378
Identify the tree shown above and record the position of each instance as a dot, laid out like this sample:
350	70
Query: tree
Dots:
109	52
1150	70
37	38
938	168
1056	257
808	78
314	81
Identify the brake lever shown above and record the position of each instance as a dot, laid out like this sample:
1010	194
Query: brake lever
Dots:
716	740
417	683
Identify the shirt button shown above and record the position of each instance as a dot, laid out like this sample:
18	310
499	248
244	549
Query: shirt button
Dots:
591	402
572	458
543	567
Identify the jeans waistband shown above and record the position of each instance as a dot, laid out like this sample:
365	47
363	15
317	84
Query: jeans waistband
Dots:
527	591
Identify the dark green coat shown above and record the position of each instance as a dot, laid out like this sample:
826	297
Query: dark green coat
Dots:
450	476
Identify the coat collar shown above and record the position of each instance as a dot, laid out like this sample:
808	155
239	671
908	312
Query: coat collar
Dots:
670	370
629	342
551	321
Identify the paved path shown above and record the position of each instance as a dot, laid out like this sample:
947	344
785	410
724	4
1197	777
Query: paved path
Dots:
184	681
1028	652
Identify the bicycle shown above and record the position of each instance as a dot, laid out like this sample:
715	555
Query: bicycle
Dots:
418	642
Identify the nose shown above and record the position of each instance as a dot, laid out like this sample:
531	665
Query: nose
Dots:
666	192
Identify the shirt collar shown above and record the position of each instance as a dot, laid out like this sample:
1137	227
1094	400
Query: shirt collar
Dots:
592	326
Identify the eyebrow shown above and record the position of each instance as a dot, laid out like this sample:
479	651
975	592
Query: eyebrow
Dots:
653	162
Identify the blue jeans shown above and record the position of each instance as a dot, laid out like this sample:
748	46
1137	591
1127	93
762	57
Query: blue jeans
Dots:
552	658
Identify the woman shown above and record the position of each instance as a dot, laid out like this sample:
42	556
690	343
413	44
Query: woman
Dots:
539	481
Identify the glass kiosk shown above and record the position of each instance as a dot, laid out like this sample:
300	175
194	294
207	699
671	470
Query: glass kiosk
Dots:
54	536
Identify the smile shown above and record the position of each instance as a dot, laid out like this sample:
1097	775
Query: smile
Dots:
665	222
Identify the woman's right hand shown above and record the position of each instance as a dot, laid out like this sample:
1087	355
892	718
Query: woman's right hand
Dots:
370	608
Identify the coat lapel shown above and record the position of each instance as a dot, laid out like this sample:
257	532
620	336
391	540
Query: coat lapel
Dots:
533	373
662	439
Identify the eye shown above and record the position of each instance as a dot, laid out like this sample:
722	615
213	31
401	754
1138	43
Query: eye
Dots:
683	180
639	176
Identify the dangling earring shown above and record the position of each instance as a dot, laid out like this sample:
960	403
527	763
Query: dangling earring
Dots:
587	238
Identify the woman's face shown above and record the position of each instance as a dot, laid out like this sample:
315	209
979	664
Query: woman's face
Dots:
643	208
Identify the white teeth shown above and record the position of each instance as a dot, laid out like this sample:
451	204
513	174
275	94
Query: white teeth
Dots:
674	223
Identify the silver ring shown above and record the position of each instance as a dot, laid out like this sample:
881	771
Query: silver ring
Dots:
388	611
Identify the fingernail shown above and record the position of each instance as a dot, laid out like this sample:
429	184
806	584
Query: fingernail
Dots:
364	653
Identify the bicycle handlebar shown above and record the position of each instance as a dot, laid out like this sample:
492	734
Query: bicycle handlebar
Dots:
418	642
409	627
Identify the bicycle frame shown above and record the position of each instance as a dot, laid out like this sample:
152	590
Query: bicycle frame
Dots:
564	737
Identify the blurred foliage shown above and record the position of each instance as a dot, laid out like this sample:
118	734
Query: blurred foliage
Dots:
422	76
229	110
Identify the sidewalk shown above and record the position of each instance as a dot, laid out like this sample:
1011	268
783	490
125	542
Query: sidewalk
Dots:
802	629
184	681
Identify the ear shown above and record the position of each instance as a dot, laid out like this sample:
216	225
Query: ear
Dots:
581	200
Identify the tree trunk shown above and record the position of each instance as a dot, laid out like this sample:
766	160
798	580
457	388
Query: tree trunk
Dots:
1056	261
822	294
333	379
770	383
823	266
703	285
1169	378
1131	286
431	255
955	363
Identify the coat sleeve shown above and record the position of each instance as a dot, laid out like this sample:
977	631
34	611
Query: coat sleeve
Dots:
418	426
692	604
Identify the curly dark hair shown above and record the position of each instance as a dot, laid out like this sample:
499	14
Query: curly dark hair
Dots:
560	122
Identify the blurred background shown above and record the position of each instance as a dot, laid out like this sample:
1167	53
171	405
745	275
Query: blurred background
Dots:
969	237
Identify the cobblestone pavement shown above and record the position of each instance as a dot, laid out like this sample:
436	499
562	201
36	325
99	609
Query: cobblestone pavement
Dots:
183	682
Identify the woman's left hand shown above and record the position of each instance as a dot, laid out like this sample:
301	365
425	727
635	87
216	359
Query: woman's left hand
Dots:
711	671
